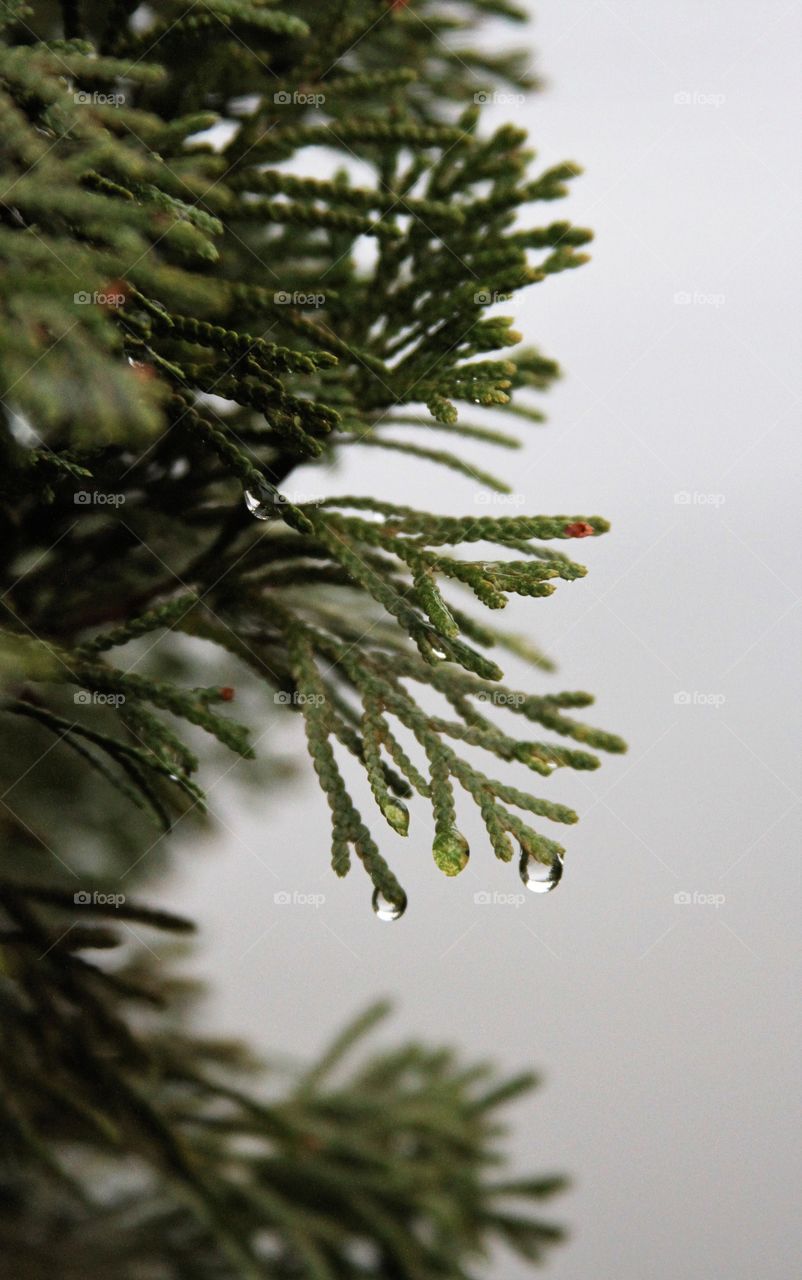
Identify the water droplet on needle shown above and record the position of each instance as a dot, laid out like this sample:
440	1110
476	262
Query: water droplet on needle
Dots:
385	908
540	877
260	500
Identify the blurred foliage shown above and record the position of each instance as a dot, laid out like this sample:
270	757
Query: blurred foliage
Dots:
186	318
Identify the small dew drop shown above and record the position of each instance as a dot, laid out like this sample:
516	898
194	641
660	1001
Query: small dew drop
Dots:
259	501
540	877
385	909
544	765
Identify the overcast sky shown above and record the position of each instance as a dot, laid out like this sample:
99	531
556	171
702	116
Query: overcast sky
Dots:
665	1028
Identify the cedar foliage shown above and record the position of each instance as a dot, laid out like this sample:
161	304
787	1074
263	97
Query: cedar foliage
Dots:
187	319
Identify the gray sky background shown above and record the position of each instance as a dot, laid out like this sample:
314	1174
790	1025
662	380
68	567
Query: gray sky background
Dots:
666	1031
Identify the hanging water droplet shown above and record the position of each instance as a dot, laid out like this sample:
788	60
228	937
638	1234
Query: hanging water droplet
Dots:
540	877
397	814
259	500
451	852
385	908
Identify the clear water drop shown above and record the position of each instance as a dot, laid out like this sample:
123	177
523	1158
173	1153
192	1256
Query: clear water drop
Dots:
259	501
385	909
542	764
540	877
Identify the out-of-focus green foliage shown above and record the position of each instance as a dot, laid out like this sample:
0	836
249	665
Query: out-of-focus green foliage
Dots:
186	317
